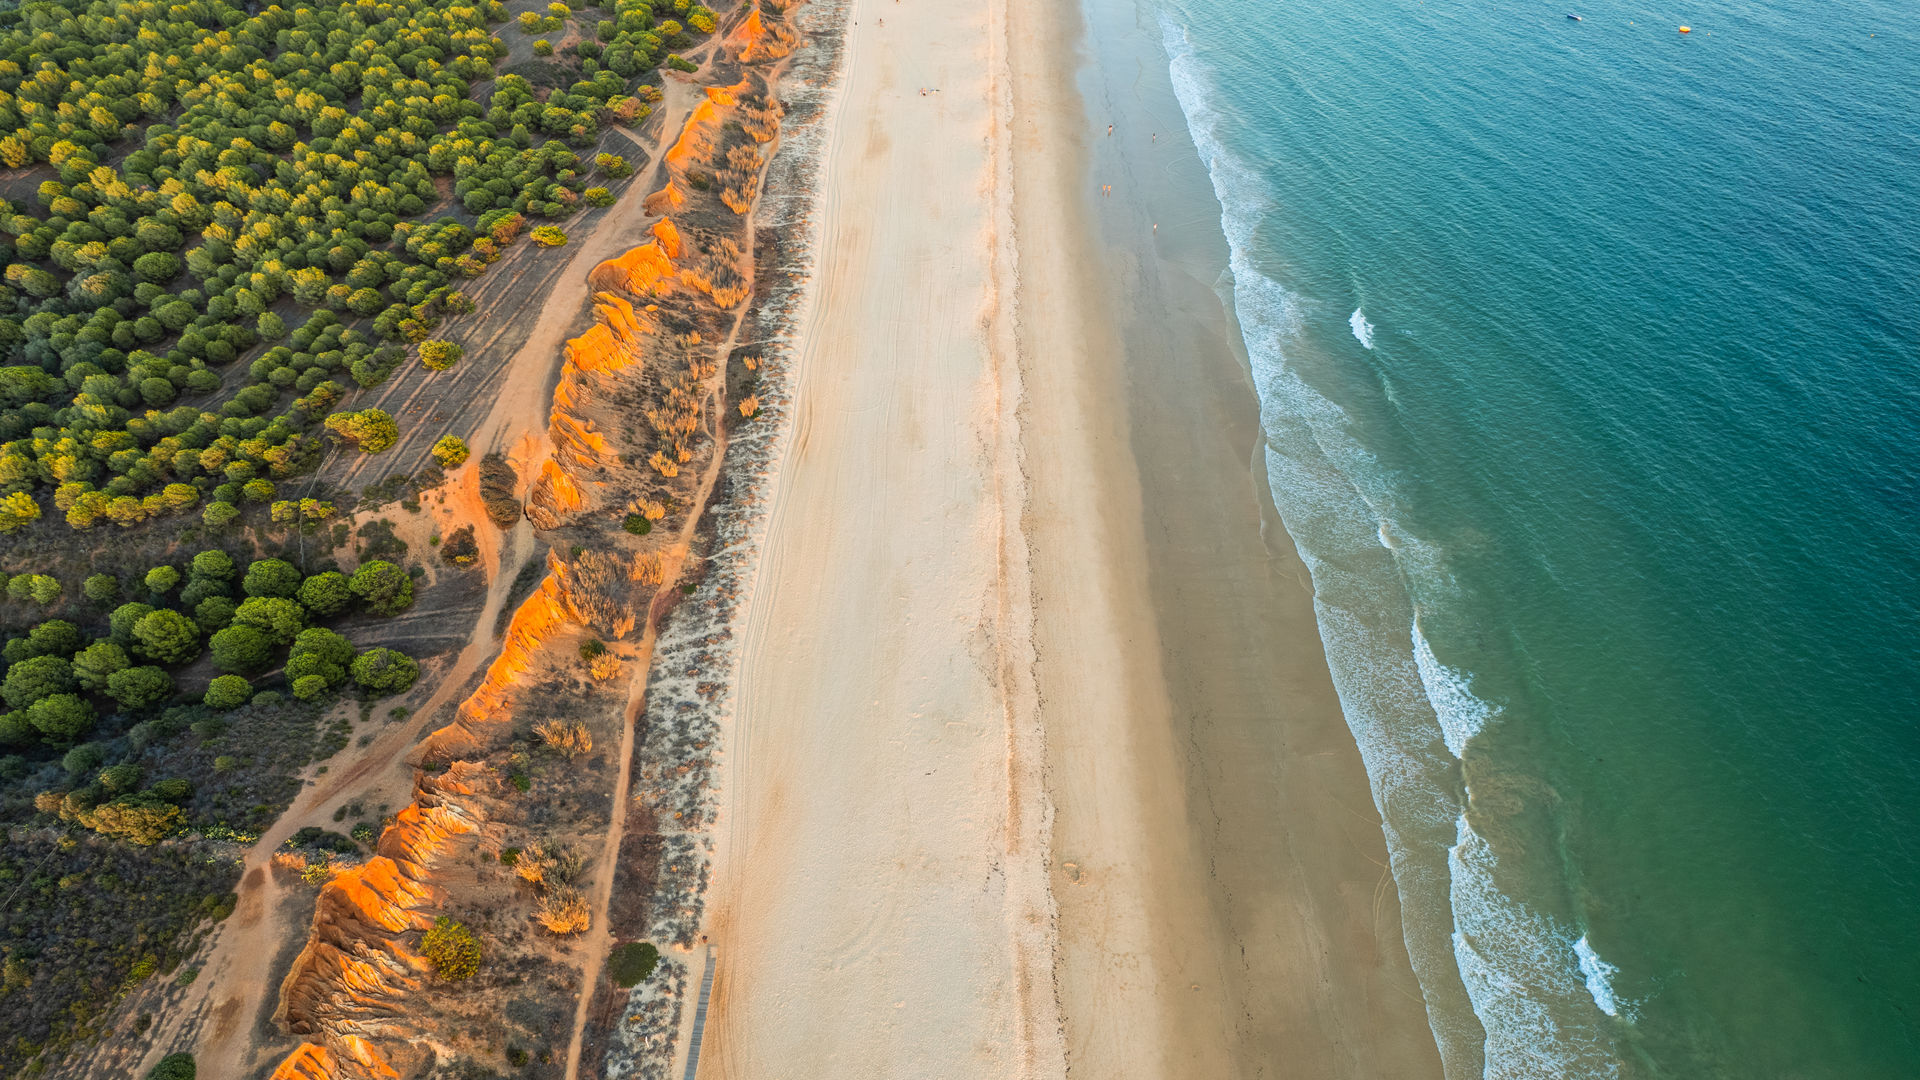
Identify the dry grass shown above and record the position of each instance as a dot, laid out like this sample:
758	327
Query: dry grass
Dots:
563	911
650	568
570	737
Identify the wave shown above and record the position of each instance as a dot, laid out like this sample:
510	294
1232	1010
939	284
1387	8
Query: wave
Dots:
1525	975
1507	990
1362	329
1599	975
1461	714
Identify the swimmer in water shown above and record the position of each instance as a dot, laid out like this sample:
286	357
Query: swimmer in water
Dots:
1109	129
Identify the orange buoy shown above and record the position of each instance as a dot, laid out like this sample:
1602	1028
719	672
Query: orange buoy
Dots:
1686	29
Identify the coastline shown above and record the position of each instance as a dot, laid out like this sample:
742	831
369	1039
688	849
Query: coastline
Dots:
1225	901
1139	841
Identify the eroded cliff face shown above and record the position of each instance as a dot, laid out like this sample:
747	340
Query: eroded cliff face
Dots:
635	429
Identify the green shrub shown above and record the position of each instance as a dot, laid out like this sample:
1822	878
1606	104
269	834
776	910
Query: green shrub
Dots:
83	759
279	618
451	949
631	963
122	778
371	430
439	355
228	692
637	525
219	515
385	671
214	565
174	1066
167	636
271	577
101	588
214	614
241	650
138	687
61	718
383	588
451	451
325	593
34	678
162	579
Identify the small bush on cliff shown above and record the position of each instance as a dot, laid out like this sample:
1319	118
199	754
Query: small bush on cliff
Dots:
566	737
452	950
460	548
173	1067
633	962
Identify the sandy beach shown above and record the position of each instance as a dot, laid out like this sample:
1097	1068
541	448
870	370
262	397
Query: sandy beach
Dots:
879	900
1036	765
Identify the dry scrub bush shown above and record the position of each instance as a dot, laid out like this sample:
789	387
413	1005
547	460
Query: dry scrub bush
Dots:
563	911
749	405
567	736
603	667
650	568
533	863
717	273
761	124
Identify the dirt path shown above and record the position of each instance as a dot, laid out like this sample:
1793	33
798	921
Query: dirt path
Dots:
235	980
233	989
599	940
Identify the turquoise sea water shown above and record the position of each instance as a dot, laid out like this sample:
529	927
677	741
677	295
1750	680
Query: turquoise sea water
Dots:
1589	357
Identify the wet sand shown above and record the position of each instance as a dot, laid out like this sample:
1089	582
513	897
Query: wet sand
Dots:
1225	903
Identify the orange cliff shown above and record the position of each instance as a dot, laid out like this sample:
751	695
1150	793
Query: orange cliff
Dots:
610	348
357	963
756	39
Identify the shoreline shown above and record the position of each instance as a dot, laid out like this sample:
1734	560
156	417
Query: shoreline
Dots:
994	503
1244	913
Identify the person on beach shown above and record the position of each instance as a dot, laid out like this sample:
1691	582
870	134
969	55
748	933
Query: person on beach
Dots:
1109	129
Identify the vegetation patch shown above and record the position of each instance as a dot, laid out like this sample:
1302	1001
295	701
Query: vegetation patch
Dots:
451	949
86	921
632	963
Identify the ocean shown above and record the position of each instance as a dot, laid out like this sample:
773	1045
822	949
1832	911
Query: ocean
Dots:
1589	364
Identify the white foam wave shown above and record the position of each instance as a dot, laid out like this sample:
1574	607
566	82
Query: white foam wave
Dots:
1461	714
1524	975
1504	988
1599	976
1362	329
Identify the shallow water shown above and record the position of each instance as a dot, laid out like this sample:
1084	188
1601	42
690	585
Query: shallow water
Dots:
1587	354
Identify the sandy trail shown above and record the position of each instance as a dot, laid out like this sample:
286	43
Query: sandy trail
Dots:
878	899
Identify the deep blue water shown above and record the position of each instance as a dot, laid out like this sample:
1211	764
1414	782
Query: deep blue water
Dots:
1589	355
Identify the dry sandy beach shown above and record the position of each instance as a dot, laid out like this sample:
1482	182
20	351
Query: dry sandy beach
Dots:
1036	765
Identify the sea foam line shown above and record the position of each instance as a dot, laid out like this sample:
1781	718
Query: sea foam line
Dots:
1506	994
